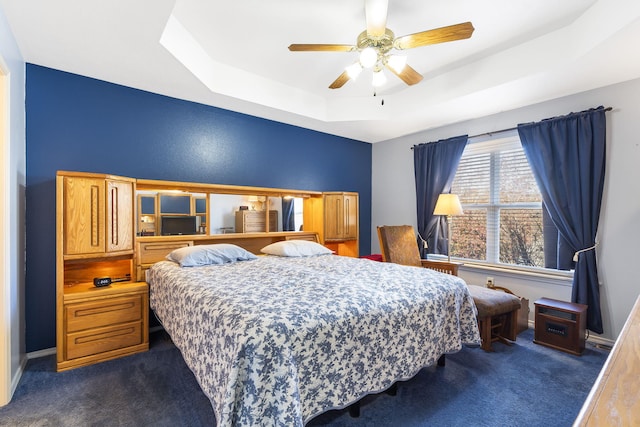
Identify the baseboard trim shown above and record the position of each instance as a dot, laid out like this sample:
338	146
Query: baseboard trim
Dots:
593	339
41	353
16	377
599	341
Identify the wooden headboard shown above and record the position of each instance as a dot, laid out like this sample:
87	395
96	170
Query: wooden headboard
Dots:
151	249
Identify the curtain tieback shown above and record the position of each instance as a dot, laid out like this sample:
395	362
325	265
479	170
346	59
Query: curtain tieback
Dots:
424	242
575	256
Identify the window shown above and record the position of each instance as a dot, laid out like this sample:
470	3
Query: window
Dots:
502	221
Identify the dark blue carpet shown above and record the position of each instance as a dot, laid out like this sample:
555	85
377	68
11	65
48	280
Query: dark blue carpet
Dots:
521	385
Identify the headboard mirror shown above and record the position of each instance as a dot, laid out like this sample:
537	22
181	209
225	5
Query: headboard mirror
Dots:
171	208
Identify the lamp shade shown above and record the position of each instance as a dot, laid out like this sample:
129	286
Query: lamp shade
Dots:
354	70
397	62
378	78
368	57
448	204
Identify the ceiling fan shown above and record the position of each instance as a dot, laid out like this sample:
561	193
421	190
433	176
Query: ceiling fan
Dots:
377	41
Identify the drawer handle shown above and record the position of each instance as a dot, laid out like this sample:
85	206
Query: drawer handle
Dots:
95	221
114	216
99	337
162	247
104	309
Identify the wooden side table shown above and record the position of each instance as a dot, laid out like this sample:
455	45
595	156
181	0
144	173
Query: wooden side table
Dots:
560	325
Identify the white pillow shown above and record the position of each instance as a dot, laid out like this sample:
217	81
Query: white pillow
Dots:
295	248
220	253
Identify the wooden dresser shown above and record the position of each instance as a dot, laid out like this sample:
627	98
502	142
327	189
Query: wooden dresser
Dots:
256	221
614	399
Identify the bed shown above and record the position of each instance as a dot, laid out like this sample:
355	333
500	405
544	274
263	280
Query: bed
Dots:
278	340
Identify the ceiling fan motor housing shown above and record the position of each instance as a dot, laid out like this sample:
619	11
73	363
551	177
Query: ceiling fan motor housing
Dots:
382	44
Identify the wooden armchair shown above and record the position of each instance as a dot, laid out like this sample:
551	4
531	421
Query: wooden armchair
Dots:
398	245
497	311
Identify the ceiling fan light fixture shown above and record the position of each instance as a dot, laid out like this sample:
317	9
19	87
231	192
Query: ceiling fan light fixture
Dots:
354	70
379	78
397	62
368	57
376	43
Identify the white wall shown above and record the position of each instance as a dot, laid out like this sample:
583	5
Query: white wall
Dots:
393	197
12	206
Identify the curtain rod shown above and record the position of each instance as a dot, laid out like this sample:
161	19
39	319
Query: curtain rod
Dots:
508	129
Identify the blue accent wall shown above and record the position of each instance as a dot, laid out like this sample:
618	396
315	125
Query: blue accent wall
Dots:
81	124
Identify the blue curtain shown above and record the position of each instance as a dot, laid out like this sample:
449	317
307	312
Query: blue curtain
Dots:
557	252
567	156
288	216
435	166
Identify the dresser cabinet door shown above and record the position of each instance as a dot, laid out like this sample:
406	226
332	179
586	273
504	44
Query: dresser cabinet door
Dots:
341	217
98	215
119	221
334	221
350	215
84	215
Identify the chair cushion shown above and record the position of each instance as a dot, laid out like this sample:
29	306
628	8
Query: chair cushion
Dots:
492	302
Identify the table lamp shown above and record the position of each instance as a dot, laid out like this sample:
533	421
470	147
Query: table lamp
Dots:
449	205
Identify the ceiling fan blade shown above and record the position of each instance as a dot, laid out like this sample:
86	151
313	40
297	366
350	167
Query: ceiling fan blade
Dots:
321	47
407	75
435	36
375	12
340	81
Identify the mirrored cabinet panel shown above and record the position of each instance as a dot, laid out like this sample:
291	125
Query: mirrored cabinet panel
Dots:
171	213
292	213
147	214
167	208
175	204
223	212
200	210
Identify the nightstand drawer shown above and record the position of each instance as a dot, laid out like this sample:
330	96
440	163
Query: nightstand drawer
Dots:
100	340
110	311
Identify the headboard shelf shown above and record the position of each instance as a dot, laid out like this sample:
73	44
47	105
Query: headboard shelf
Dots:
203	239
151	249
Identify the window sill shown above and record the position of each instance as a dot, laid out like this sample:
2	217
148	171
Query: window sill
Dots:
563	278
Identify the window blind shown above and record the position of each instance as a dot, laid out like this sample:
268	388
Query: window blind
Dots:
502	221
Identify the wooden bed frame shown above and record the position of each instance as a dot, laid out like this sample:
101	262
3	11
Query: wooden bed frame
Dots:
151	249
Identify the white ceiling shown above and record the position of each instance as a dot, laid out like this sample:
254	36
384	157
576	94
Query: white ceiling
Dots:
234	55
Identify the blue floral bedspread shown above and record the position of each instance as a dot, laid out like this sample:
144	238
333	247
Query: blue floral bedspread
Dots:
277	341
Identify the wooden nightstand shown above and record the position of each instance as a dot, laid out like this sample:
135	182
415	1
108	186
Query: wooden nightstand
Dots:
103	323
95	239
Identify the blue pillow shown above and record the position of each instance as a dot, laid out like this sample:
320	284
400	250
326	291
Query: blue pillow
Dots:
220	253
